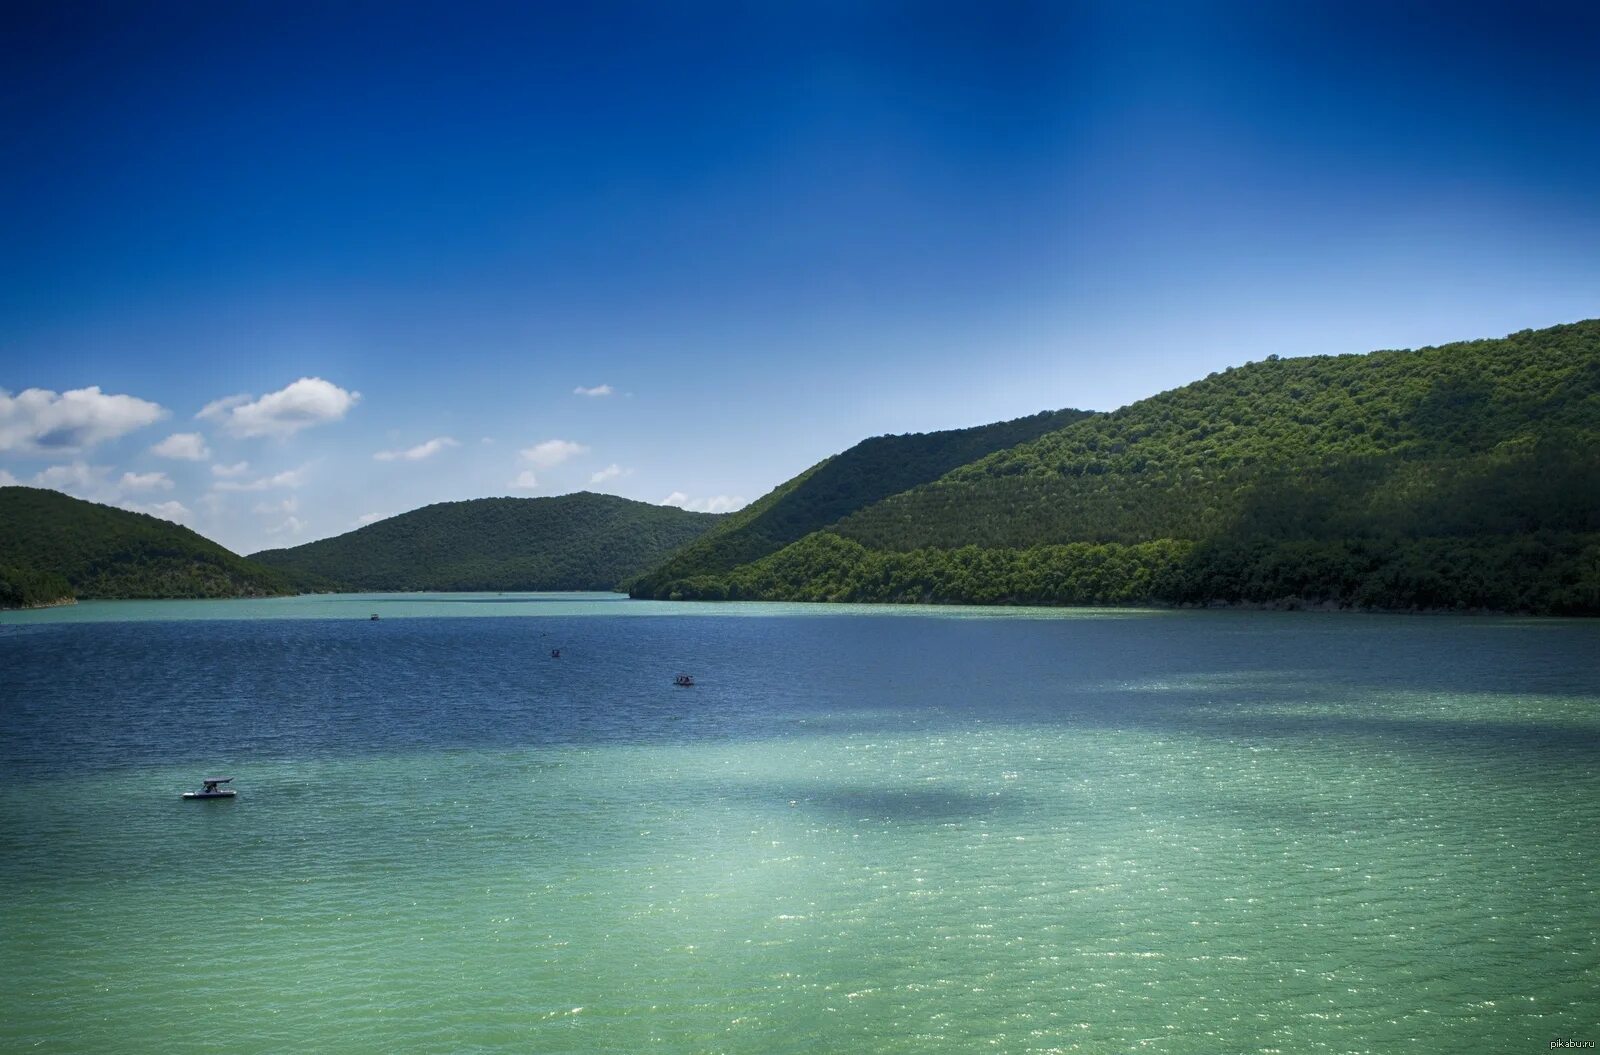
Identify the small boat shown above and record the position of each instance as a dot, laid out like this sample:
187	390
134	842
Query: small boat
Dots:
374	617
683	679
210	789
555	653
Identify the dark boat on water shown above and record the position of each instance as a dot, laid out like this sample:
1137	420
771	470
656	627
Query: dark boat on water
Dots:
210	788
684	680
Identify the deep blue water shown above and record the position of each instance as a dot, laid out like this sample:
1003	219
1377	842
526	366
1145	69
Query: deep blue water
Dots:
101	695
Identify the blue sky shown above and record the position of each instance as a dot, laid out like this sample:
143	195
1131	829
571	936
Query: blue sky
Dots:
762	231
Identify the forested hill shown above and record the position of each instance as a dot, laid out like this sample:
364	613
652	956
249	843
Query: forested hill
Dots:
579	541
53	547
870	471
1460	476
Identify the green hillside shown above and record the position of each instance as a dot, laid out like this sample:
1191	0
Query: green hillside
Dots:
1459	476
580	541
48	538
26	588
870	471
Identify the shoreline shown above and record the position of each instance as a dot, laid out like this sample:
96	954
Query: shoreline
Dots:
60	602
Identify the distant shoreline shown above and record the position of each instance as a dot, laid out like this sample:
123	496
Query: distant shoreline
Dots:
1287	604
60	602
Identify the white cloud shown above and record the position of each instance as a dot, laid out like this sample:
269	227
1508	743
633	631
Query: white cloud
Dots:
597	390
370	518
288	505
176	512
39	421
7	480
236	469
419	452
287	478
308	401
525	481
79	479
714	504
551	453
218	409
146	482
610	472
188	446
290	526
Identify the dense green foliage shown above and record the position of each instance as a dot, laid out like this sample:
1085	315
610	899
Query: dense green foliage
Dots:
870	471
1461	476
580	541
105	552
1387	441
1545	572
26	588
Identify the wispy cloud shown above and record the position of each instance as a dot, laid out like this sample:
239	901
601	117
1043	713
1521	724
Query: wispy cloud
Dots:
525	481
93	483
306	402
146	482
370	518
551	453
610	472
176	512
7	480
39	421
79	479
419	452
597	390
714	504
290	526
288	505
185	446
287	478
236	469
218	409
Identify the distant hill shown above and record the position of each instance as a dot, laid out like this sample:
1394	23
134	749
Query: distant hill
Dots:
1460	476
870	471
579	541
49	541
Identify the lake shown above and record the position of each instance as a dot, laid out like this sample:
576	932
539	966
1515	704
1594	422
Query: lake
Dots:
864	829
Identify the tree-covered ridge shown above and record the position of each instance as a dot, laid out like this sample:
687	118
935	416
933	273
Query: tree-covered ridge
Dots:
580	541
113	553
1546	573
25	588
1459	476
1406	436
870	471
1447	400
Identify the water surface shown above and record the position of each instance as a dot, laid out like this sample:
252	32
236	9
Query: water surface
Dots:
895	830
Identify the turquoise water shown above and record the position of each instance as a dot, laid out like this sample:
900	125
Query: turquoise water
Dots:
462	605
893	830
